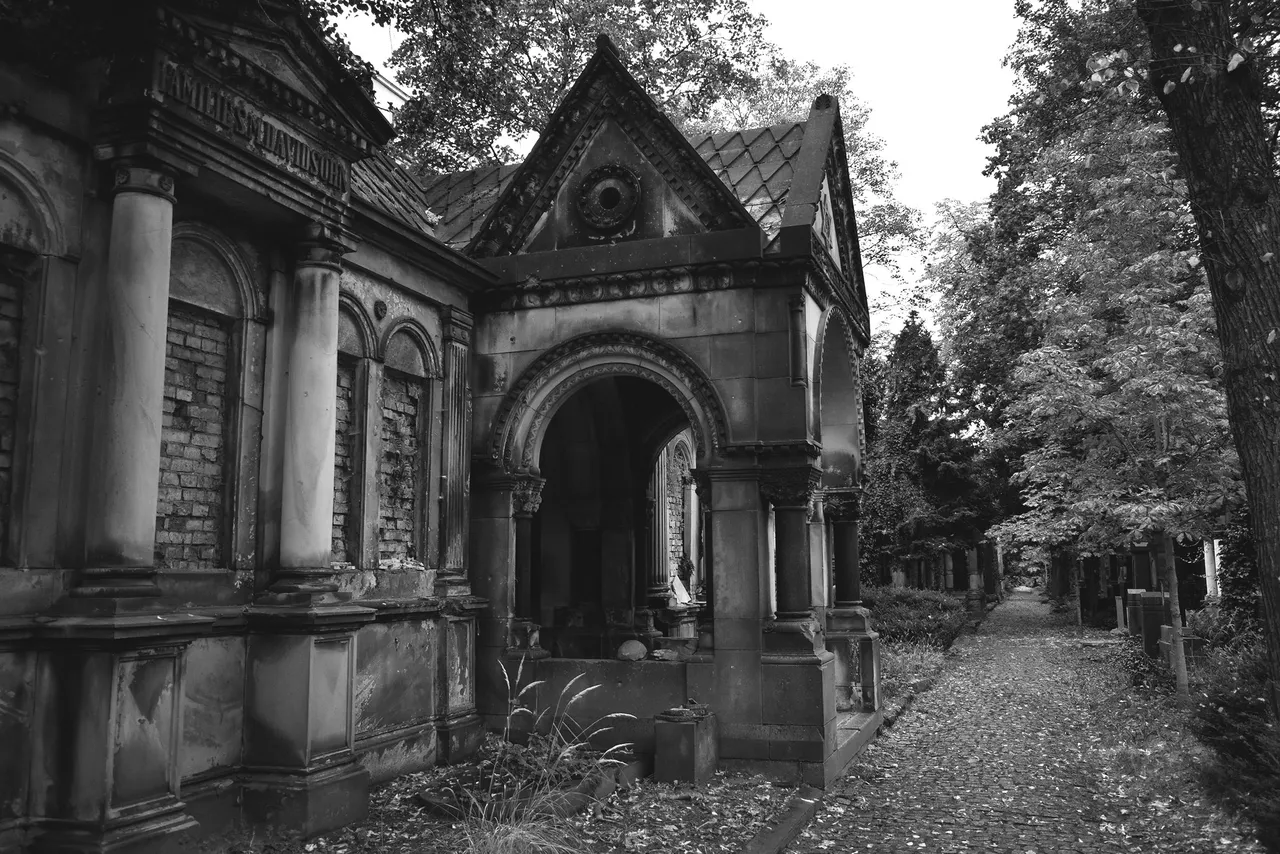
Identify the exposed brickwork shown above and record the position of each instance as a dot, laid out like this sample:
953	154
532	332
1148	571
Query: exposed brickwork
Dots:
10	334
191	510
399	480
344	466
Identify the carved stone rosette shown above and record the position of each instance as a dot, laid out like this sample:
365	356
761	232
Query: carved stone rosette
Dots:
526	496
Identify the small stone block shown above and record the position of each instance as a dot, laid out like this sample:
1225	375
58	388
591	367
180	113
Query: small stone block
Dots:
685	750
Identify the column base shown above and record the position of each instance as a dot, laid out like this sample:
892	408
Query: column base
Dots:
975	601
794	636
306	804
159	832
116	582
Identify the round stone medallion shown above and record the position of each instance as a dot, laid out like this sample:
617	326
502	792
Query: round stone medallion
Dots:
608	197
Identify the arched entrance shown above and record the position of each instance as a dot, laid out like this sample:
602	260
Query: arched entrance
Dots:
838	397
603	569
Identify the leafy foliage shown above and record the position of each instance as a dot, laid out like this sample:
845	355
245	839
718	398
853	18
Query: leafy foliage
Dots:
484	75
926	490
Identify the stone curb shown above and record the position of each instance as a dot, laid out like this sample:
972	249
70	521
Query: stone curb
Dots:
799	812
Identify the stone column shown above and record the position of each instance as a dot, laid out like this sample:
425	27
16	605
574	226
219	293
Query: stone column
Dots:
306	516
849	636
457	441
123	481
526	498
843	511
790	491
1211	569
658	586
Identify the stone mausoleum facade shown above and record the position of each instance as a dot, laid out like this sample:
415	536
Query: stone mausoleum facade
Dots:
297	451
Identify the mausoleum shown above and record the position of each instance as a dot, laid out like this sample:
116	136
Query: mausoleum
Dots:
298	449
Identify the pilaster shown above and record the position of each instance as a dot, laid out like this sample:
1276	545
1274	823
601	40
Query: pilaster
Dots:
455	512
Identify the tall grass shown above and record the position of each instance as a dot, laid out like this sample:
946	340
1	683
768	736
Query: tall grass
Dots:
532	785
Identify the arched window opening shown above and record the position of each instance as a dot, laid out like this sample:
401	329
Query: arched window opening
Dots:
200	387
405	404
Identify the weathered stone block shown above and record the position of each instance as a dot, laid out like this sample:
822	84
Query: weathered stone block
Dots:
685	750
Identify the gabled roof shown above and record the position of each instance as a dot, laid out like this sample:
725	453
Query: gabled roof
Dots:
757	165
462	200
604	92
389	188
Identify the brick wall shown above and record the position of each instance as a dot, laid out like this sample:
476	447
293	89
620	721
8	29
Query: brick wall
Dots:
10	334
399	478
344	466
191	511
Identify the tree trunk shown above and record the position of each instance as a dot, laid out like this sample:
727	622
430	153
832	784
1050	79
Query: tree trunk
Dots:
1177	655
1078	583
1218	128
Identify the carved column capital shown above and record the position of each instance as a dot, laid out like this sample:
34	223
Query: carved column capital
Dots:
701	484
322	247
842	505
458	325
526	495
131	177
790	487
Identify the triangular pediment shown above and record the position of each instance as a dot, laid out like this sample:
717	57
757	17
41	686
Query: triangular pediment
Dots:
609	167
270	53
821	199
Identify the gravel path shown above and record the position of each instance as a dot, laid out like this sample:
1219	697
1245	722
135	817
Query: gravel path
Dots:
1016	749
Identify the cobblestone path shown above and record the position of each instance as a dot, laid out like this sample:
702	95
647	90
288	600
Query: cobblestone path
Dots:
1008	753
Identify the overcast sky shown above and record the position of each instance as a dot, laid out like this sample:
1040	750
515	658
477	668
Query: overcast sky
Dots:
930	71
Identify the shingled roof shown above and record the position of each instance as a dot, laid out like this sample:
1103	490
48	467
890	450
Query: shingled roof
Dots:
756	164
390	189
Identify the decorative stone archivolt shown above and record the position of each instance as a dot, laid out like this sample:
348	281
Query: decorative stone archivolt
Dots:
356	333
28	218
251	302
517	433
408	333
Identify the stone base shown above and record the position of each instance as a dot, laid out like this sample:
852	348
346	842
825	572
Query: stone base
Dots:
685	751
460	738
159	832
306	805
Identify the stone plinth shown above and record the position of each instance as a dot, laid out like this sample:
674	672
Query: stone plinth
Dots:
301	775
857	659
107	732
686	746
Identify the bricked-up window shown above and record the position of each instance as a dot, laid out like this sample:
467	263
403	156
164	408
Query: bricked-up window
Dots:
405	411
400	469
10	335
192	507
344	465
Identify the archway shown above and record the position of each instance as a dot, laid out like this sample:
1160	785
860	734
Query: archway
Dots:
602	570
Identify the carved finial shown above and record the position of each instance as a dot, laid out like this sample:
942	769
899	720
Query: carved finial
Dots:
603	42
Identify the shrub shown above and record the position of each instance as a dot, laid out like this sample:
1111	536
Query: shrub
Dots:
905	615
1230	715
